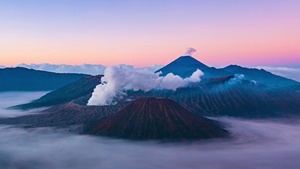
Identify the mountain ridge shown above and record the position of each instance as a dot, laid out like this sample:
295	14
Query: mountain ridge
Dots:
261	76
185	66
23	79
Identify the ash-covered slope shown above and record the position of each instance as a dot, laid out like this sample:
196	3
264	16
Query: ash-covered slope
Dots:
65	115
22	79
295	88
230	96
156	118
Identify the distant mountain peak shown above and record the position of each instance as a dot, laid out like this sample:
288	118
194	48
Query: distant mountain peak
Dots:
188	61
234	66
183	66
187	57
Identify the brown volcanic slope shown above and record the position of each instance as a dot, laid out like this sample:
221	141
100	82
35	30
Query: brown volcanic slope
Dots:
66	115
155	118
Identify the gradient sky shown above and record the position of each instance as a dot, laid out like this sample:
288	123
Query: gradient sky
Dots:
147	32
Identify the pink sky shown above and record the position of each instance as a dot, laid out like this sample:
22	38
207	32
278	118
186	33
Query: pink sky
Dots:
145	33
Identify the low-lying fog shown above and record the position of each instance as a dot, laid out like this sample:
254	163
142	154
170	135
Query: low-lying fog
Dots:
262	144
8	99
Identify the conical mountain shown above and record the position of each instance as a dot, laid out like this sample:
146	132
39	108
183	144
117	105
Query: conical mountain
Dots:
185	66
156	118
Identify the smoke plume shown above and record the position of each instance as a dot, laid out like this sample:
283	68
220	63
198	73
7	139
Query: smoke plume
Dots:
190	51
237	79
118	79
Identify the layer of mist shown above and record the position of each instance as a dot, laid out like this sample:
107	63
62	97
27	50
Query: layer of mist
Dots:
84	68
255	144
8	99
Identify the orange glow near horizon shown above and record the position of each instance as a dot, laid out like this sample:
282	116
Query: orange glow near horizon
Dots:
245	33
212	52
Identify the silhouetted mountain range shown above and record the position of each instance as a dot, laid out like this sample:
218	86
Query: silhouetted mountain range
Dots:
261	76
253	96
22	79
185	66
226	96
211	97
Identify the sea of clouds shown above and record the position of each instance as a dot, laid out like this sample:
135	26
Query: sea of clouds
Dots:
8	99
92	69
254	144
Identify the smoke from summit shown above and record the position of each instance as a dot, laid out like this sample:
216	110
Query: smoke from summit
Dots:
118	79
190	51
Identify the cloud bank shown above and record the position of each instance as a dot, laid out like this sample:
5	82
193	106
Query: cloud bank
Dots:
8	99
260	144
84	68
255	144
118	79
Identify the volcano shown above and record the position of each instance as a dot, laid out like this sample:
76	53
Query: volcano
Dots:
154	119
185	66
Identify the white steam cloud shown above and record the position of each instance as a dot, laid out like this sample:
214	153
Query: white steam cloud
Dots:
117	79
237	79
190	51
